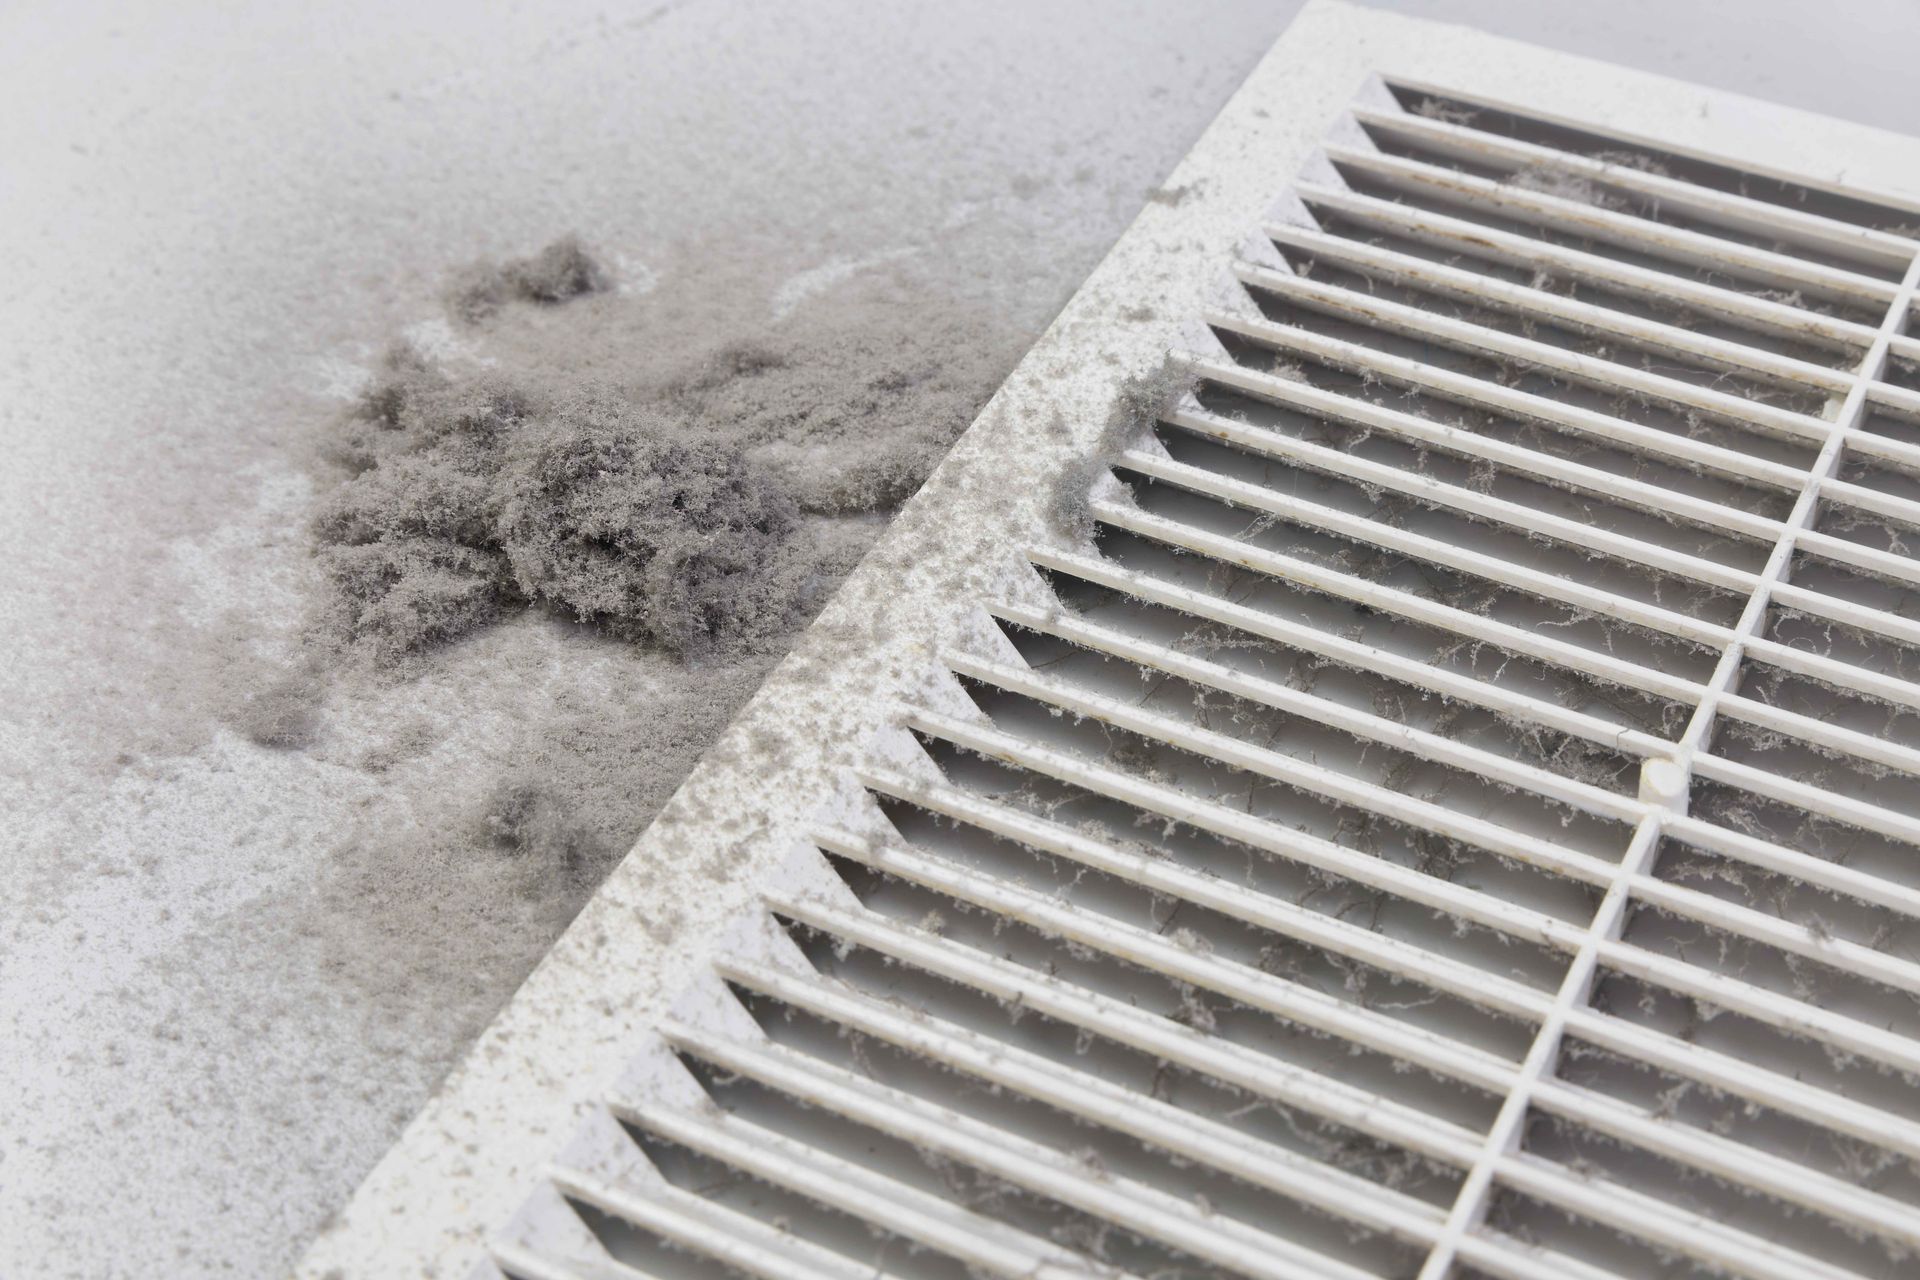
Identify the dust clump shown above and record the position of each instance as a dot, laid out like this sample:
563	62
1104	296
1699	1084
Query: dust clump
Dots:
608	531
558	273
1634	160
1143	397
1548	180
282	713
1445	112
615	517
528	820
851	417
471	501
700	508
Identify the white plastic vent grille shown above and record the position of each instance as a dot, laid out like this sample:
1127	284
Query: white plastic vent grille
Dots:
1457	817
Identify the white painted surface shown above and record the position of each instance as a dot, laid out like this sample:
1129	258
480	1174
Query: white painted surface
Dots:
213	216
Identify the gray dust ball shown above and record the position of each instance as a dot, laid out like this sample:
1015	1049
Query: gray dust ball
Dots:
701	509
558	273
408	539
469	501
617	517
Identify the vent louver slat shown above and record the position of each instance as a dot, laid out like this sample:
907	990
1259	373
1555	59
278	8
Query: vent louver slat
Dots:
1753	268
1539	304
1611	282
1451	812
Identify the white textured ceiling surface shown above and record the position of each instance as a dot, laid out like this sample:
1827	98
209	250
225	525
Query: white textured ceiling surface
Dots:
209	212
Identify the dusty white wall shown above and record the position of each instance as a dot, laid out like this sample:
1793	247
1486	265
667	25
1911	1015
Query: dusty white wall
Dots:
212	216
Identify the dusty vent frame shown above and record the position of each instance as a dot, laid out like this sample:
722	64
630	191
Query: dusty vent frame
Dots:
1454	816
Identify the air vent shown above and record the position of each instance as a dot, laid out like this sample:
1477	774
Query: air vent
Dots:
1450	811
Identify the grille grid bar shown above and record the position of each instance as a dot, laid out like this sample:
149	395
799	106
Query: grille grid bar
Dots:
1492	836
1671	786
1364	724
1344	1104
1466	501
